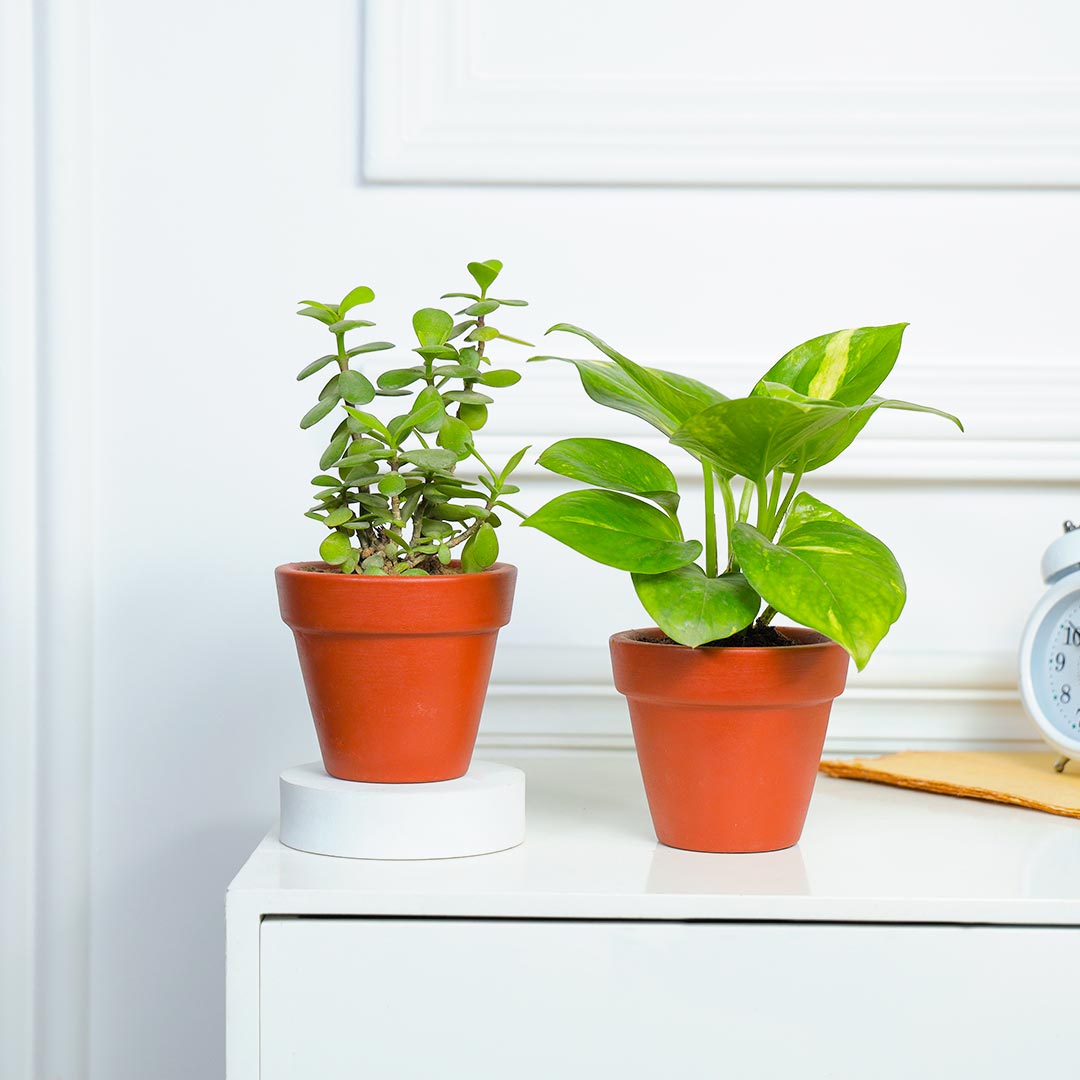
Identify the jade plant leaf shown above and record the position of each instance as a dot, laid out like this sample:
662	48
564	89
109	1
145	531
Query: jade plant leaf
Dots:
615	466
692	608
615	530
827	573
480	550
355	388
484	273
433	460
316	365
432	326
360	295
321	312
321	408
336	547
846	366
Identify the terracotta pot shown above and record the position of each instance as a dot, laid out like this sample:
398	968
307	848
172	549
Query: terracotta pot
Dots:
396	668
728	740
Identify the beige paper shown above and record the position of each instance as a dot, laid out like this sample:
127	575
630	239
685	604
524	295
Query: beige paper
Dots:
1022	779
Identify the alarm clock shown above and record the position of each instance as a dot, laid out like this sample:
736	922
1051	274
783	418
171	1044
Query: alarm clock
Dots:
1050	650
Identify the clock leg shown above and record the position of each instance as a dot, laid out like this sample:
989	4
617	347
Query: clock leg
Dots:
1059	765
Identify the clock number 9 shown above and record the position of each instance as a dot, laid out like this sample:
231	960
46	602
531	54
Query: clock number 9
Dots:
1066	694
1059	662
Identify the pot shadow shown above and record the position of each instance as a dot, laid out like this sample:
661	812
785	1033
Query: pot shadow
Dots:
696	873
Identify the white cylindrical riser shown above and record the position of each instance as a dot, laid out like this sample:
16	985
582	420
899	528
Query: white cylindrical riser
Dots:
476	814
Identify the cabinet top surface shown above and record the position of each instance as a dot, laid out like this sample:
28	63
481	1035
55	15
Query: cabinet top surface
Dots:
869	853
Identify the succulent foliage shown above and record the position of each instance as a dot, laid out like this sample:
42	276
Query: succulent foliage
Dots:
389	491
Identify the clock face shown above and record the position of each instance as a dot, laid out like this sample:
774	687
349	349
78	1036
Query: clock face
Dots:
1055	666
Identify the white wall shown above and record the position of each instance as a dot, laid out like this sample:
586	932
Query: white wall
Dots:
200	167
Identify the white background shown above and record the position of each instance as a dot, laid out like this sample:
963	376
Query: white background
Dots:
704	185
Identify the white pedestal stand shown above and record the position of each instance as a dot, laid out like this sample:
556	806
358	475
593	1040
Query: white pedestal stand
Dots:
480	812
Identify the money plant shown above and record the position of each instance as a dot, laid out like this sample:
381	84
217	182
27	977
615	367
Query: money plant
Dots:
389	491
786	550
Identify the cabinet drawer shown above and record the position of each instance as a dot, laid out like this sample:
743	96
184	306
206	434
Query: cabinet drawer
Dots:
506	999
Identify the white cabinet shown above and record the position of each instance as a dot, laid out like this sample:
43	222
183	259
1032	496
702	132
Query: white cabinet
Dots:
908	934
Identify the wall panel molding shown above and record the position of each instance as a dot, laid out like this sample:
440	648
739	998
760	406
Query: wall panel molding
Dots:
46	391
683	118
18	554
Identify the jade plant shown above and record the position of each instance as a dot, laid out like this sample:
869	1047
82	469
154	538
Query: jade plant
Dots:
389	491
786	549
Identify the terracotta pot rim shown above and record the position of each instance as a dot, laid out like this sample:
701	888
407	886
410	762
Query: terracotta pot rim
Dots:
303	569
632	637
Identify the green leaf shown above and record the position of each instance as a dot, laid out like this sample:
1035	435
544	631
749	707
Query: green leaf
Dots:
750	436
473	415
329	308
370	346
439	529
316	365
321	312
360	295
326	481
364	458
484	273
334	451
481	308
455	435
345	325
397	378
821	448
368	422
425	415
335	548
338	516
846	366
432	326
392	484
500	377
613	465
511	465
516	340
456	371
445	511
483	333
692	608
318	411
512	303
355	388
433	460
437	352
669	399
428	411
615	530
468	397
480	550
330	389
459	296
607	384
827	573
